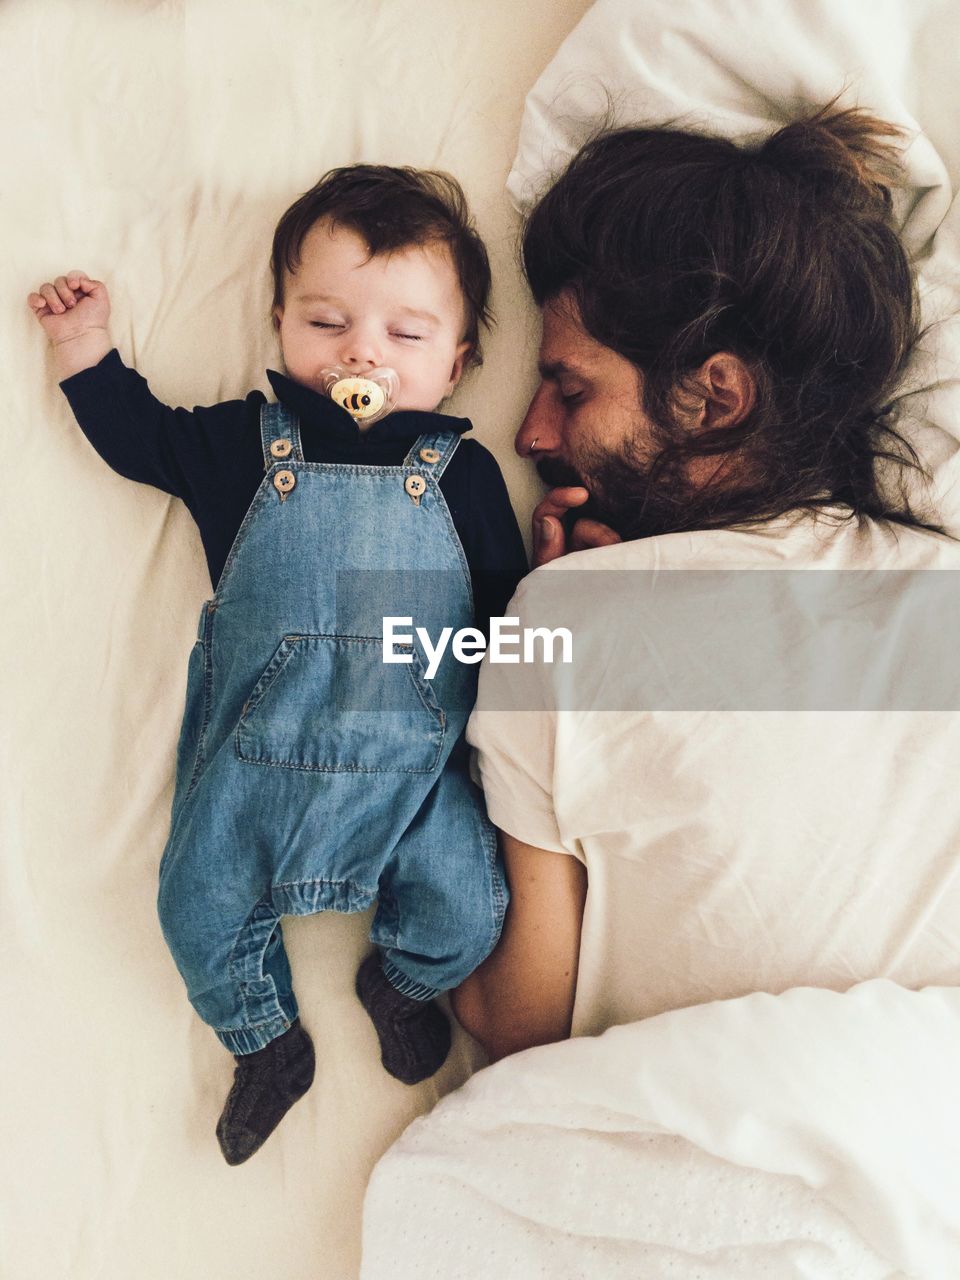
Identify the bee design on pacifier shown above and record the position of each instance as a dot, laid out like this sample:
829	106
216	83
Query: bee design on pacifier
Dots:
367	399
361	400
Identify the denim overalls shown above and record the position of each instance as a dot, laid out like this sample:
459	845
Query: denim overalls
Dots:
312	776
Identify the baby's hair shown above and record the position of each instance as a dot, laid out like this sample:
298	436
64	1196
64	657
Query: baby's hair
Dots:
393	208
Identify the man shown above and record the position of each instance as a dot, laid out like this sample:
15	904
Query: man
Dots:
723	328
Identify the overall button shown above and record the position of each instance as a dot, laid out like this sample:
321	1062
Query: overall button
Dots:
281	448
415	486
284	482
429	455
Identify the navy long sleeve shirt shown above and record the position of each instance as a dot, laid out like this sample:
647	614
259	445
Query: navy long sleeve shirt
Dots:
212	458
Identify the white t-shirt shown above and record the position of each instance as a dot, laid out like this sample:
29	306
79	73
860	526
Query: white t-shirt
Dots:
773	826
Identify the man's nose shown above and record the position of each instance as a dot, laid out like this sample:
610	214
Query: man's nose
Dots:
539	432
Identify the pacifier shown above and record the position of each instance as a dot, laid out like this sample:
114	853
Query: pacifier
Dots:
368	398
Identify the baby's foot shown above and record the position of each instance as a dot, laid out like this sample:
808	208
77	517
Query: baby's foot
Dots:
266	1084
414	1034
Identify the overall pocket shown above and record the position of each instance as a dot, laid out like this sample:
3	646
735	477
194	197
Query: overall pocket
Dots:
331	704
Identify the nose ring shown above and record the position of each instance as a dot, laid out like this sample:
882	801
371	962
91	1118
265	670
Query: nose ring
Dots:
531	450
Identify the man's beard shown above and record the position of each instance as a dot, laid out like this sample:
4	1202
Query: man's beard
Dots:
636	497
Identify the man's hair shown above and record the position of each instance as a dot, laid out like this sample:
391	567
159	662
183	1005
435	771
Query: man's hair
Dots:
391	209
676	246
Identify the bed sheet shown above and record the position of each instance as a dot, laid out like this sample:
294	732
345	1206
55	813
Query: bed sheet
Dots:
154	144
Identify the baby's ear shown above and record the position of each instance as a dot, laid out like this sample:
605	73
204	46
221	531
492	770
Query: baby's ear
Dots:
459	364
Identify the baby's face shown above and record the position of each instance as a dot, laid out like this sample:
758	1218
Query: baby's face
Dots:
403	310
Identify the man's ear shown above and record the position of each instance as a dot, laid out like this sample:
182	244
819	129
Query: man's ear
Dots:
728	388
277	316
459	364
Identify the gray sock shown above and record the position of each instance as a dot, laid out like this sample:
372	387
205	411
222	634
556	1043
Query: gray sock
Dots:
414	1034
266	1084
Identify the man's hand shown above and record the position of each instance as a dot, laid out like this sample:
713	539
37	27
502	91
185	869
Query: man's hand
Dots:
550	539
74	312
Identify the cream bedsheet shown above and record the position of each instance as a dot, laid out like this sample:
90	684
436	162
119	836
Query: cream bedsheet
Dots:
154	145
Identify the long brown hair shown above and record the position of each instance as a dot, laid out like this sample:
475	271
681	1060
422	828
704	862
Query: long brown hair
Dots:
676	246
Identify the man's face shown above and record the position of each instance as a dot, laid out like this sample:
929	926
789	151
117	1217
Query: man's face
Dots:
585	422
403	310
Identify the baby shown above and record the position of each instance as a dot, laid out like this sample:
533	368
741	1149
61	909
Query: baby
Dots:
311	775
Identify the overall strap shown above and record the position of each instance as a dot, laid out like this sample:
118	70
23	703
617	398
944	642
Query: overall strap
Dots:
430	454
280	435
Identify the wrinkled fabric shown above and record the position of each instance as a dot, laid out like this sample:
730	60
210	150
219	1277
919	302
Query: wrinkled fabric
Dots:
807	1136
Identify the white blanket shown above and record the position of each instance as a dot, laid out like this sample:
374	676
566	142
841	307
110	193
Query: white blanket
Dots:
804	1135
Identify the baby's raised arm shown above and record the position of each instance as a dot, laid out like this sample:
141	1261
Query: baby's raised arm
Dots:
74	311
181	452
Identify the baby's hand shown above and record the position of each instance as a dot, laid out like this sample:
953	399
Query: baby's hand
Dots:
74	312
70	306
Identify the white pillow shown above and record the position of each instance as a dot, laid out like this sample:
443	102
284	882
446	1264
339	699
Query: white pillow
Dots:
741	67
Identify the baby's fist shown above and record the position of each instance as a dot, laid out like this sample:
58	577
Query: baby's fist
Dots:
70	306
